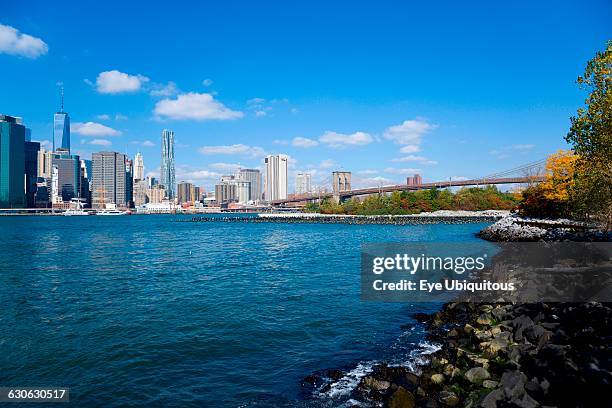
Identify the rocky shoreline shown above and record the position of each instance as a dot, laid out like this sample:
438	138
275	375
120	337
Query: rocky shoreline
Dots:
504	354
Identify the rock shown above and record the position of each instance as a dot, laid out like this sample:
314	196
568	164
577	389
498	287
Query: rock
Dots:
374	384
451	371
513	384
484	319
491	399
401	398
499	342
519	324
437	378
477	374
468	329
489	384
448	398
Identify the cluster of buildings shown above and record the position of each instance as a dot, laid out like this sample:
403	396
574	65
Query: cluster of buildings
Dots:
33	177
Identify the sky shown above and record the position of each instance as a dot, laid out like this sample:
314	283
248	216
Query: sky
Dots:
384	89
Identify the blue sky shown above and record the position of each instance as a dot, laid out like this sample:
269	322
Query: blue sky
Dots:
382	89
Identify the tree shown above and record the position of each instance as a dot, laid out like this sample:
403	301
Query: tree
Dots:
590	135
560	175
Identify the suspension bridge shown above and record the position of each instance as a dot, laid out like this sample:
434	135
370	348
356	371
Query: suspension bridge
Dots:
525	174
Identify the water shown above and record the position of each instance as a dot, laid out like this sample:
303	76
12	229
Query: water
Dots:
144	310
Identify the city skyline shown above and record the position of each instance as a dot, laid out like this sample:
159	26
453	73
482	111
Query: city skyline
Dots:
383	103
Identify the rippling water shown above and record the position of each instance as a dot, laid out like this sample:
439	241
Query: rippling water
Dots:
144	310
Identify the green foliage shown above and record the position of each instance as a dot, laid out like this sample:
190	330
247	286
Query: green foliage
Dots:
590	135
415	202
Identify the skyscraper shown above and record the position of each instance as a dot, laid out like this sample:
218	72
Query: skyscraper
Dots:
276	177
302	183
68	175
31	172
61	128
167	163
109	179
253	176
12	162
138	167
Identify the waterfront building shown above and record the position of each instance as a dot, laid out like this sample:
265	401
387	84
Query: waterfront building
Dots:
415	180
302	183
253	176
12	162
167	176
42	196
156	194
31	171
140	192
276	177
110	184
129	182
85	192
138	167
341	181
68	175
225	192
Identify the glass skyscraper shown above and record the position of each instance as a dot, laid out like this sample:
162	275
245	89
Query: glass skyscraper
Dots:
167	163
12	162
61	131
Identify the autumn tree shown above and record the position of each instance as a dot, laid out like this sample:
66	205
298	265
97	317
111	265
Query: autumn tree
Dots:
590	135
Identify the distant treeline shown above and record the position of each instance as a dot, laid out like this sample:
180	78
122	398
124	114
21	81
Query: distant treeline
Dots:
415	202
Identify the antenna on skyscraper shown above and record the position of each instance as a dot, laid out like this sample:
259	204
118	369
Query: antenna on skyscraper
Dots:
61	85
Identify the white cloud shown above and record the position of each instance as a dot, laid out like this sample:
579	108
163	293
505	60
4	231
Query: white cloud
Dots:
197	106
260	113
93	129
413	158
207	82
120	117
101	142
47	144
104	116
169	89
410	149
367	172
114	82
303	142
409	132
280	142
327	164
392	170
225	166
256	101
14	42
366	182
236	149
196	175
523	147
338	140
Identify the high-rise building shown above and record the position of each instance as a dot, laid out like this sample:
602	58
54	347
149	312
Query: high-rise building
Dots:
167	163
31	171
138	167
341	181
129	183
44	163
61	128
185	192
225	192
68	180
85	194
156	194
243	191
415	180
253	176
140	192
302	183
110	179
12	162
276	177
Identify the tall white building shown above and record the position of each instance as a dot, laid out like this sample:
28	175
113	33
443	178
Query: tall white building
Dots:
302	183
276	177
138	167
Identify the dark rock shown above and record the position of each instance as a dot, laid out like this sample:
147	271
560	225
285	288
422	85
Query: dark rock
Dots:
448	398
477	375
401	398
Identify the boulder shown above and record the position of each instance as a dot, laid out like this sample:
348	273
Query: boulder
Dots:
477	375
437	378
448	398
374	384
401	398
489	384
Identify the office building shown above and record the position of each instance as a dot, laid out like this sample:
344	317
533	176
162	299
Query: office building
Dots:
167	163
12	162
276	177
129	182
68	175
61	128
138	167
302	183
86	174
31	171
341	181
253	176
186	192
110	180
243	191
140	192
